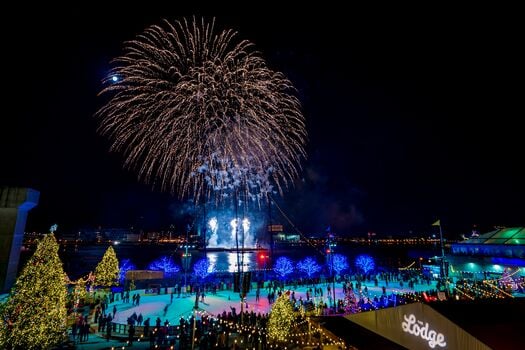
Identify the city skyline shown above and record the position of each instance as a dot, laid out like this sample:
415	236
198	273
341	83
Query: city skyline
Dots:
409	120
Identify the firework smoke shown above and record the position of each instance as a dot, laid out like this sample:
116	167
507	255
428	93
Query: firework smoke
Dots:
214	226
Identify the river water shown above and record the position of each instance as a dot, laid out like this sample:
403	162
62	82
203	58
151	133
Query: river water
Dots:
78	260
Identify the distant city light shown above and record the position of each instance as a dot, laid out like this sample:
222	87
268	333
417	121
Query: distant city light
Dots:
114	78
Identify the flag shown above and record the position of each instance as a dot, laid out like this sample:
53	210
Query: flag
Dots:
437	223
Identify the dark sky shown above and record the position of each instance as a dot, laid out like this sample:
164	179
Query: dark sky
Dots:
411	117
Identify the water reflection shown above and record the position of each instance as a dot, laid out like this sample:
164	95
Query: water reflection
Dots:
246	260
80	259
212	261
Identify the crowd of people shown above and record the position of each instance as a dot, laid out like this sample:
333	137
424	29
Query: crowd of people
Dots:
223	329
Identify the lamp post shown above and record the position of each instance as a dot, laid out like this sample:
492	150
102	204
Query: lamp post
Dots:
330	251
264	258
264	268
442	272
333	284
195	309
186	259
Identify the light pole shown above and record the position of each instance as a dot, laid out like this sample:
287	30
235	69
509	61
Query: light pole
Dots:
264	268
442	272
195	309
240	255
186	259
333	282
442	252
264	258
330	251
270	231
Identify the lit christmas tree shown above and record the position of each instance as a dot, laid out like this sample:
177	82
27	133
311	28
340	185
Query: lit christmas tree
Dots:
507	282
34	316
281	319
79	292
350	303
107	270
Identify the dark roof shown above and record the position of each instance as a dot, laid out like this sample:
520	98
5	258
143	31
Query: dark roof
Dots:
510	235
498	323
357	336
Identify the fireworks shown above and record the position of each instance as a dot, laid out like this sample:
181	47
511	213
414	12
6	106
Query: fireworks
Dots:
198	112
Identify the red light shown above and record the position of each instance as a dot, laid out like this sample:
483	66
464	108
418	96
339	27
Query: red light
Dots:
328	251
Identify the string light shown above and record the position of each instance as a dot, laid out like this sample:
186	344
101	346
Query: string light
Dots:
107	270
407	267
35	311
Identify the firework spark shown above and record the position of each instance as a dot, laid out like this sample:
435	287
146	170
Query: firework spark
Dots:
198	112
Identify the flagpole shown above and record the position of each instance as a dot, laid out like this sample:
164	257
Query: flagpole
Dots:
442	251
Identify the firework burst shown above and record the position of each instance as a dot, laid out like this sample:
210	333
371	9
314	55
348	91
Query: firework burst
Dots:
198	112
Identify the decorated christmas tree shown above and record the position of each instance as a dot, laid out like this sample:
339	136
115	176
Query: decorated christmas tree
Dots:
506	281
34	316
107	270
281	319
350	303
79	292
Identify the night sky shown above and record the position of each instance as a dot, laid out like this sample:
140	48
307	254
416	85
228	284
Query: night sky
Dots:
410	118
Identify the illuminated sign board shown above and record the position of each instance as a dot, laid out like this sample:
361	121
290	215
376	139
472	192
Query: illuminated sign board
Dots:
417	328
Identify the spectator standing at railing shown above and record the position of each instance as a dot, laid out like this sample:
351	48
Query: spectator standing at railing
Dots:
108	328
146	327
131	334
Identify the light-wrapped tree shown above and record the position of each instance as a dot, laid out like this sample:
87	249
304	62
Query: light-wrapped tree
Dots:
34	316
281	319
340	263
365	263
107	270
125	266
203	269
308	266
283	266
165	264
